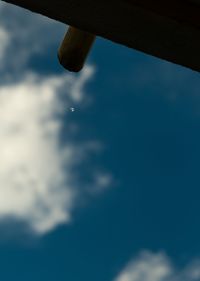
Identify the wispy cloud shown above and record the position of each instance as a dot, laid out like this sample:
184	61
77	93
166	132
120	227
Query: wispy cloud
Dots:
150	266
35	170
29	35
5	40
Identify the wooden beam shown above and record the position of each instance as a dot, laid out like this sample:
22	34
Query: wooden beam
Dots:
75	48
168	29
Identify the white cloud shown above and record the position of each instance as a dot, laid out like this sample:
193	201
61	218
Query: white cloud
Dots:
35	170
150	266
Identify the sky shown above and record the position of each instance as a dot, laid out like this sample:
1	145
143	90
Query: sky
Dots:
99	171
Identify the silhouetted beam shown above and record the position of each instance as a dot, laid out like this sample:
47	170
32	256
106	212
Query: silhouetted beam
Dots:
167	29
75	48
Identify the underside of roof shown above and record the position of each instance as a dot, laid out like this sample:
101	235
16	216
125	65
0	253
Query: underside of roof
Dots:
166	29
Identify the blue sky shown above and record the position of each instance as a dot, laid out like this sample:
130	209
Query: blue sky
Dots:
109	191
